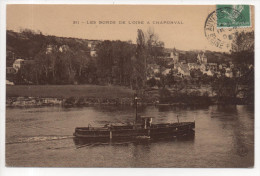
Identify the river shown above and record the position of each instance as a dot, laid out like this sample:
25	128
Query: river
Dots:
42	137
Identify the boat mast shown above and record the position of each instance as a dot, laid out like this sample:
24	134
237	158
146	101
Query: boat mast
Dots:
136	107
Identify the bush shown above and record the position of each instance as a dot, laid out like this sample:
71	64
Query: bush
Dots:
151	82
165	95
70	101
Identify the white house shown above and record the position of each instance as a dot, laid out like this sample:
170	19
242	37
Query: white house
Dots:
50	48
172	57
9	83
229	73
202	67
175	56
63	48
18	64
202	59
208	72
213	66
166	71
93	53
183	69
193	66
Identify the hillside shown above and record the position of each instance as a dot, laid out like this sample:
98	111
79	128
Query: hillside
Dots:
28	44
60	60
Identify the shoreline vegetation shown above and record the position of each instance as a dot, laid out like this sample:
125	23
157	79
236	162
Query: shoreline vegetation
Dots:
92	95
49	70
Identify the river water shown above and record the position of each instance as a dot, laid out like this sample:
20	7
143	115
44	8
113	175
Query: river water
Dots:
42	137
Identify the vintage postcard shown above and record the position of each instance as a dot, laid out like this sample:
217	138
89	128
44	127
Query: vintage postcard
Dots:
139	86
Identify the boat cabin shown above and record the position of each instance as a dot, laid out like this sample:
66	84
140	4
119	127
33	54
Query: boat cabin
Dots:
143	122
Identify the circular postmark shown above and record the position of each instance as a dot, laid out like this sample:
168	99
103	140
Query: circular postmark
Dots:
222	34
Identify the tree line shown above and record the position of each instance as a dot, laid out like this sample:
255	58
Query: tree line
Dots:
117	62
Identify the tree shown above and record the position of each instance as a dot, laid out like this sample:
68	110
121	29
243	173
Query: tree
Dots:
242	54
140	65
105	60
42	63
114	61
154	47
170	79
151	82
225	87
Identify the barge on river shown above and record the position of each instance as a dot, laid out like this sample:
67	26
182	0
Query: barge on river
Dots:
142	127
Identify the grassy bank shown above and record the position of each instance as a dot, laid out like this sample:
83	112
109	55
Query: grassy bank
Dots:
66	91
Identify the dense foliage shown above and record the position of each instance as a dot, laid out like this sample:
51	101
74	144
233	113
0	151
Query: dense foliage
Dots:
59	60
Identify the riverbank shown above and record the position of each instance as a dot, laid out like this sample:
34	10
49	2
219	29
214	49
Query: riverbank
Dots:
66	95
89	95
65	102
92	101
67	91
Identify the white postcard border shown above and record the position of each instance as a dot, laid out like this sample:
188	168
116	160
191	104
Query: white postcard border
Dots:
8	171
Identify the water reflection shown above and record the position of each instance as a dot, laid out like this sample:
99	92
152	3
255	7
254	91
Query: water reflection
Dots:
232	119
224	137
165	108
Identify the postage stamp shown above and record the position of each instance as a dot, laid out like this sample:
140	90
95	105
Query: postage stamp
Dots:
222	24
233	16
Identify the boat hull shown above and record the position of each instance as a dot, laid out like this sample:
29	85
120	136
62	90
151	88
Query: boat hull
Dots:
154	131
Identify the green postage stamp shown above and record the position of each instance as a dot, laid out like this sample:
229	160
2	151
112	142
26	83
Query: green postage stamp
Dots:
233	16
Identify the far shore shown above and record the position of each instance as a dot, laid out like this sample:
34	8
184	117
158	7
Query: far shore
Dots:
67	91
88	95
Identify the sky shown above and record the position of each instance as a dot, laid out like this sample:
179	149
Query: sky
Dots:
59	20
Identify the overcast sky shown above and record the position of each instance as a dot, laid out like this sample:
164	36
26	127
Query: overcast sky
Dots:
58	20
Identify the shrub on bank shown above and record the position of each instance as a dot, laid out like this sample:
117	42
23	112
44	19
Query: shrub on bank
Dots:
184	98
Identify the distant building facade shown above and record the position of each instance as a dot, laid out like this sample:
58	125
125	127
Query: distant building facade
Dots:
63	48
202	59
49	49
18	64
193	66
93	53
175	56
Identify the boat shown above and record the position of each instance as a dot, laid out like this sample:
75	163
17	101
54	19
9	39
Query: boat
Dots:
85	142
141	128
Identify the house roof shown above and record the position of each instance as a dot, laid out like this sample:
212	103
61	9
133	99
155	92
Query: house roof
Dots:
178	65
18	61
153	66
185	68
193	64
212	64
166	71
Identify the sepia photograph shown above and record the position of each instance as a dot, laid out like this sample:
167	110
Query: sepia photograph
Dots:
130	86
